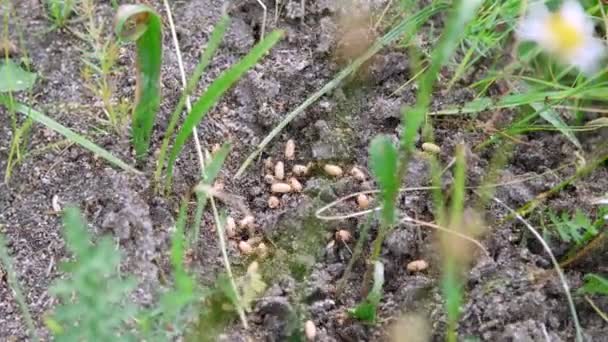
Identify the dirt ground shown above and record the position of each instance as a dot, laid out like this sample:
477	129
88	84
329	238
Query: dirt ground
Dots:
507	296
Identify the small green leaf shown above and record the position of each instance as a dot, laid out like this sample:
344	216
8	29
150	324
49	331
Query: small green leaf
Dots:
14	78
594	284
383	157
366	310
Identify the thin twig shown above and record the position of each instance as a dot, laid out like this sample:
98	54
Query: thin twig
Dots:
577	326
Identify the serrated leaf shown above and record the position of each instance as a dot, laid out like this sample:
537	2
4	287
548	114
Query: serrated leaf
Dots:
14	78
383	157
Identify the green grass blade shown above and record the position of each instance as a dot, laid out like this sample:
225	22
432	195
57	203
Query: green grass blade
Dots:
413	118
214	42
556	120
457	207
213	94
69	134
211	171
383	158
595	284
366	310
142	24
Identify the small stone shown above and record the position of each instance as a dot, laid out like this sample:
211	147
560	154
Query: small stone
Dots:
215	148
300	170
295	184
273	202
247	222
363	201
8	47
218	186
189	257
261	250
431	148
245	248
230	227
280	188
290	149
55	204
268	163
417	266
310	330
279	170
269	179
333	170
358	174
343	235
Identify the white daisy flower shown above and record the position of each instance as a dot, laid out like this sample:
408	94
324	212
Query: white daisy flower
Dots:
566	33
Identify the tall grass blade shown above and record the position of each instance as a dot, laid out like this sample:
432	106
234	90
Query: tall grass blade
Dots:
383	158
69	134
141	24
214	42
213	94
414	117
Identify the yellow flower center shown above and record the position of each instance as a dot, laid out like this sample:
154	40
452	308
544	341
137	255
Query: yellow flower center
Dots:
564	35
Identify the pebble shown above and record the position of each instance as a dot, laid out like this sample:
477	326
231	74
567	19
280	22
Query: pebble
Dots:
269	179
230	227
300	170
431	148
295	184
333	170
55	204
261	250
290	149
280	188
273	202
310	330
268	163
279	170
343	235
245	248
358	174
363	201
417	265
247	221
